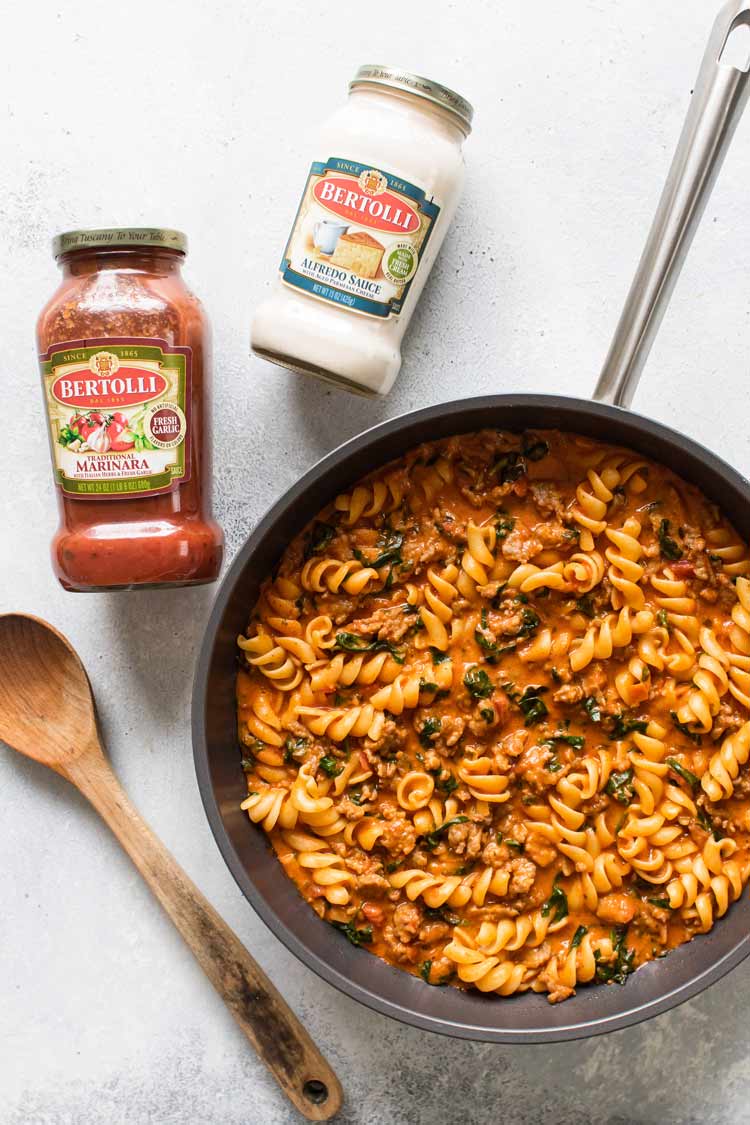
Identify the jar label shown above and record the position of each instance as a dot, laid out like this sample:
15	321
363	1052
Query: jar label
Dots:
358	237
119	415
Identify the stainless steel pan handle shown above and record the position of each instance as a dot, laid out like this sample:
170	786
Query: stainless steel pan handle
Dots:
716	106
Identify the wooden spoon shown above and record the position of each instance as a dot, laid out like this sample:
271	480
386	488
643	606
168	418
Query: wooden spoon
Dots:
47	713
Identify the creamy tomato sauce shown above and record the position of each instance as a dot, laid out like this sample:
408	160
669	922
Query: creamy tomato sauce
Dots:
494	713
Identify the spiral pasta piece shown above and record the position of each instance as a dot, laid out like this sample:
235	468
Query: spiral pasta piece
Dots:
399	696
546	645
486	972
370	499
319	575
259	716
263	652
428	480
576	967
364	833
271	808
440	591
478	558
278	606
435	814
615	631
434	890
584	571
361	721
649	767
653	649
718	780
625	572
323	867
706	885
710	683
590	509
528	578
482	782
355	770
677	603
634	682
730	551
739	634
314	807
414	790
365	669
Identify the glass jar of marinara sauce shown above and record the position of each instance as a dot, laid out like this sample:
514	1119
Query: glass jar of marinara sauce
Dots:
124	352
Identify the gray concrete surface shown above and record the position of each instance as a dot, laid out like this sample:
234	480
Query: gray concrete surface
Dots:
196	116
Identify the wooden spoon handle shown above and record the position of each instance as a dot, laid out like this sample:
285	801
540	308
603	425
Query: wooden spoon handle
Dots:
257	1006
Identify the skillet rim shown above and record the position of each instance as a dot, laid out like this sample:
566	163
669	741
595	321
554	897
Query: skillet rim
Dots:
713	970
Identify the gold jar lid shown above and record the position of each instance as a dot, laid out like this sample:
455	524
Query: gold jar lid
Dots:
119	237
398	79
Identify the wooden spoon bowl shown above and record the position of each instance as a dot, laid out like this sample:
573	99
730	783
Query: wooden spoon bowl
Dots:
47	712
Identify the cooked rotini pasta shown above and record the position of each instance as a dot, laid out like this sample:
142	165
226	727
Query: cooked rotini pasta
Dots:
494	713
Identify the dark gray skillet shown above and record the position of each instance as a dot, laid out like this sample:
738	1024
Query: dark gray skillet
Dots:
717	103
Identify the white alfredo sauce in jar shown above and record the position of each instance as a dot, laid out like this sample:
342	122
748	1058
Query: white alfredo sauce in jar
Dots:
386	176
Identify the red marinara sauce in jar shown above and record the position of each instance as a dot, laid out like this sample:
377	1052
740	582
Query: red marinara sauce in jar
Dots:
124	351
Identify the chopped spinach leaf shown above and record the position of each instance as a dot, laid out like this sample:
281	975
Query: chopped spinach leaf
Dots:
438	657
331	767
350	642
686	774
432	839
444	784
578	936
530	621
478	683
663	903
623	966
295	749
442	914
685	729
669	547
504	526
424	971
319	538
509	467
623	725
620	786
530	703
557	901
592	709
430	727
537	451
488	714
389	544
355	936
577	741
708	825
585	605
662	619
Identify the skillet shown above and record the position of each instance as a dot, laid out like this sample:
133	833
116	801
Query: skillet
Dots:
718	101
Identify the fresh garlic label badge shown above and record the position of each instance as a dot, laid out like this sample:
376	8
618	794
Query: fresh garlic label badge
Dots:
358	237
118	416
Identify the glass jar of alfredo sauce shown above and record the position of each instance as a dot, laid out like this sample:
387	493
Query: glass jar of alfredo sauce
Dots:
385	180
